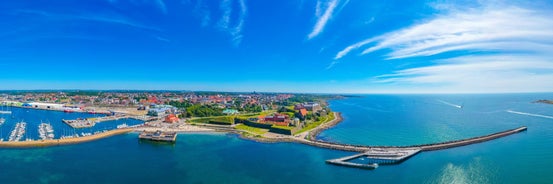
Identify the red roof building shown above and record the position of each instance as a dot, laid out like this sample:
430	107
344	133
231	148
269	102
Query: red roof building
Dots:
171	118
152	99
277	118
303	112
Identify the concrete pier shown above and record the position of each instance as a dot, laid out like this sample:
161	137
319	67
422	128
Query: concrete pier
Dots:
397	154
376	157
90	122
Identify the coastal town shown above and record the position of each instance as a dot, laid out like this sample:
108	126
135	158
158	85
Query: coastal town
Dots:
259	116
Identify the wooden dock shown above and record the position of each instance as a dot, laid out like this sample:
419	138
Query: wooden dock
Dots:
398	154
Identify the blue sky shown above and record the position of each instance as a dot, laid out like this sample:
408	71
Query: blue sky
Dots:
329	46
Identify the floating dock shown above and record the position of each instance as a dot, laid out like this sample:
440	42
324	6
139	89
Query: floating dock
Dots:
158	136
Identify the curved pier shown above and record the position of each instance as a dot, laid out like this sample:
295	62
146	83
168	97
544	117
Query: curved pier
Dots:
422	147
452	144
397	154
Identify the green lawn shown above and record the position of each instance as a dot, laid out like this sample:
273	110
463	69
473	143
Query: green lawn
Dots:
255	115
310	126
259	131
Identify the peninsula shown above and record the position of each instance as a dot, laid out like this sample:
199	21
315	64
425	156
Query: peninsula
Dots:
544	101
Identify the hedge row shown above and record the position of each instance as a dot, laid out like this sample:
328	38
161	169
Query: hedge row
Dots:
222	121
282	130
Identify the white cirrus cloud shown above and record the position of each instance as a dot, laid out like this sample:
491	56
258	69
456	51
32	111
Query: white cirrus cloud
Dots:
161	5
234	28
485	29
487	73
201	10
484	49
323	16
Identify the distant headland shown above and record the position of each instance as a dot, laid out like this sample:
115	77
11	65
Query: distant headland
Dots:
544	101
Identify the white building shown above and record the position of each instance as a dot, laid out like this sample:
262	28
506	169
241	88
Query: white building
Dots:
40	105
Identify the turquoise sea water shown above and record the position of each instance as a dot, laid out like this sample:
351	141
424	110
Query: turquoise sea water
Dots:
371	120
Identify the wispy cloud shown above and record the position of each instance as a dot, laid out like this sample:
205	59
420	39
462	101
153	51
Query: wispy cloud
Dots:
226	8
237	30
225	24
346	51
161	5
357	45
163	39
322	17
332	64
484	29
111	19
511	50
117	20
503	73
201	10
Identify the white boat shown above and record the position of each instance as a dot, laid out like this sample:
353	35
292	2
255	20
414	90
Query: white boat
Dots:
45	131
124	125
18	131
2	120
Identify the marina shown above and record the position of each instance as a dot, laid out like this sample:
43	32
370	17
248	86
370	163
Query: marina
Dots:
34	118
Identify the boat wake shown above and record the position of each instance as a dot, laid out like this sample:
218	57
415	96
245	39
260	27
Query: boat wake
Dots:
530	114
451	104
